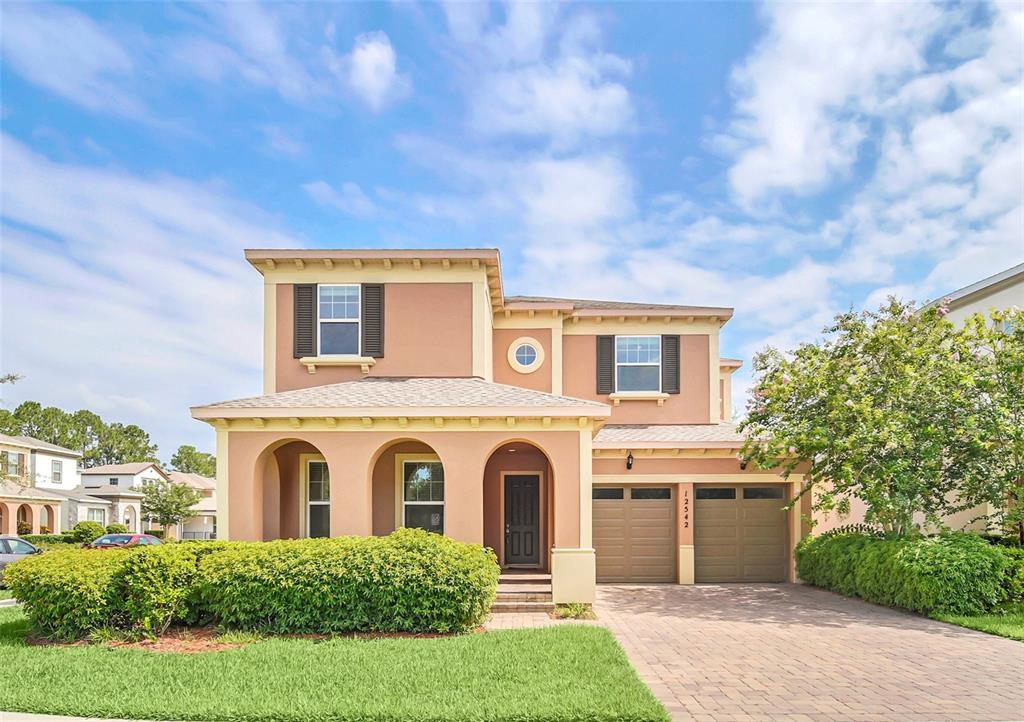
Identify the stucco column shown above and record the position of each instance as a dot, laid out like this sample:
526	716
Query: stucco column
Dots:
463	486
349	459
573	563
6	519
245	485
684	532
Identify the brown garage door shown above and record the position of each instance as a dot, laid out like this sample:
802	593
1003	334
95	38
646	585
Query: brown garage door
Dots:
740	534
635	534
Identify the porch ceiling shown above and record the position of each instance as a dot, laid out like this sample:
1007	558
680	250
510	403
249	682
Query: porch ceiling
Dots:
390	397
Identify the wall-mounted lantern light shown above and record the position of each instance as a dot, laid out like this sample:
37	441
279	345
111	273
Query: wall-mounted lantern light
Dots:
629	460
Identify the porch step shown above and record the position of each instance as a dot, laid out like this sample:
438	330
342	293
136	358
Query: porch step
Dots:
521	607
524	588
524	578
523	596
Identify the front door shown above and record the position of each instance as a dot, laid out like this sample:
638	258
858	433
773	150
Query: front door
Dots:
522	519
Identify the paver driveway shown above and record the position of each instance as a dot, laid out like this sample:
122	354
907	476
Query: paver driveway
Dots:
792	652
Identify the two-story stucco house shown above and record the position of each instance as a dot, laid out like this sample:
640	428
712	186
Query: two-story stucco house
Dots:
585	439
32	473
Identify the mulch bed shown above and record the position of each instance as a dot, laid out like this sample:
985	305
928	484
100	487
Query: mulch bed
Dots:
189	640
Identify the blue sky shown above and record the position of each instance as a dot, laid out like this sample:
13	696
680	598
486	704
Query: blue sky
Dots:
790	160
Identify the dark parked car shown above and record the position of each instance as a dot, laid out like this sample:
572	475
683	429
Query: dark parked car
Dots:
111	541
11	550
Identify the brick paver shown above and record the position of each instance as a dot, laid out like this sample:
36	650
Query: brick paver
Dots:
792	652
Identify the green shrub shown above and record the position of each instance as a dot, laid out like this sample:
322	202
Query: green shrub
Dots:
154	586
47	539
66	593
957	573
410	581
1014	579
158	533
86	531
116	529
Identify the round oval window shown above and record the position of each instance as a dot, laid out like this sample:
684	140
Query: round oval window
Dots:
526	354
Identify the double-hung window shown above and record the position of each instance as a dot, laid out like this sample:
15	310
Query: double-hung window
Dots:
423	495
318	496
97	515
338	324
638	363
13	464
56	471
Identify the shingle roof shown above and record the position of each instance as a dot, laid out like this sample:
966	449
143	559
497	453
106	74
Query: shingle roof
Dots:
668	435
117	469
110	490
78	494
409	397
962	295
13	490
584	303
37	444
193	480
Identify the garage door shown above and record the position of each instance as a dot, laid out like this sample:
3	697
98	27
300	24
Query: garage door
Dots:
635	534
740	534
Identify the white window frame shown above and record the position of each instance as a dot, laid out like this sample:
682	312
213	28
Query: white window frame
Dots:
400	503
358	320
305	460
56	471
634	363
102	513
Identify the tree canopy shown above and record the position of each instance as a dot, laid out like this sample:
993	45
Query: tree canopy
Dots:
168	503
189	459
897	408
98	441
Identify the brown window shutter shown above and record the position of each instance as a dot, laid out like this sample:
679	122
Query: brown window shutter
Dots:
304	331
605	364
372	318
670	364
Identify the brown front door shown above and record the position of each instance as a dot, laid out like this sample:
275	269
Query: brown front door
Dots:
522	519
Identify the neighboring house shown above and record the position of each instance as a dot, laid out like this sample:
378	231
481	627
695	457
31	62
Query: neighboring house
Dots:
999	292
33	467
588	439
204	524
125	476
102	504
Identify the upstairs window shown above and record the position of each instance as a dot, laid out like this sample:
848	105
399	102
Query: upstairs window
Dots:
13	464
112	480
56	471
338	321
638	363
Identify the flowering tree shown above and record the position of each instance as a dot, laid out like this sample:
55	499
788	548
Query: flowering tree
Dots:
888	409
168	503
998	343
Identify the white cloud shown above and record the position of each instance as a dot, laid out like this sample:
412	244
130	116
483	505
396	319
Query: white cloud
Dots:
128	288
805	94
70	55
278	141
350	199
540	74
372	71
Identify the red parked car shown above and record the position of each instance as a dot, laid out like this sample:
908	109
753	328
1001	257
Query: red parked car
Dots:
112	541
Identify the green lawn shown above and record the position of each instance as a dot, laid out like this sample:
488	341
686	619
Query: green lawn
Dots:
5	594
1010	624
566	672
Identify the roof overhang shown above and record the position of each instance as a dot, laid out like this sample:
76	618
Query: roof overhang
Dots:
486	259
213	413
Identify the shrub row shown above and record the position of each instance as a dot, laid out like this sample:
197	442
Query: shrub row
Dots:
410	581
39	539
956	573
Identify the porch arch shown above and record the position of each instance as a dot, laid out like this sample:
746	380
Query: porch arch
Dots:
5	519
293	490
26	515
131	519
518	457
387	492
47	520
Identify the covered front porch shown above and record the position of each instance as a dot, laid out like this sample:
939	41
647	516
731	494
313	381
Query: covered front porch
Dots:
509	469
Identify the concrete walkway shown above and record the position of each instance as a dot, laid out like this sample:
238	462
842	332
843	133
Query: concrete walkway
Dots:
792	652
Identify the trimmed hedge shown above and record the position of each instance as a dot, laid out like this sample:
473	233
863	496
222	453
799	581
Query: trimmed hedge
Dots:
957	573
38	539
410	581
87	531
66	593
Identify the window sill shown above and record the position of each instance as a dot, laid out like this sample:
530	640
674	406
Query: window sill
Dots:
311	362
621	396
